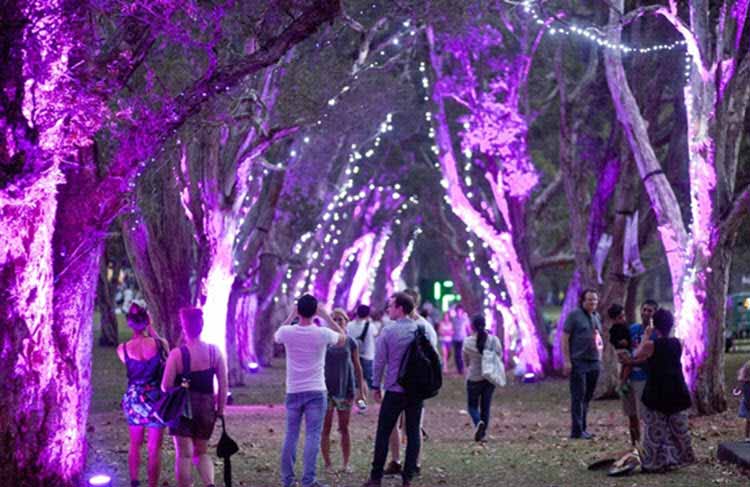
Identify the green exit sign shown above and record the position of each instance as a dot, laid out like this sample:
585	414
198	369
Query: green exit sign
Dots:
443	294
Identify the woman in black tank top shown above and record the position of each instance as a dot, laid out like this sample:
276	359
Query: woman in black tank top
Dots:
198	362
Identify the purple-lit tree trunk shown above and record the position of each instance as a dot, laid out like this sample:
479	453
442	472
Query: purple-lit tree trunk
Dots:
498	131
699	256
44	386
45	394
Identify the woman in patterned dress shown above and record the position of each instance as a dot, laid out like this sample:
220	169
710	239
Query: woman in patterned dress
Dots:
666	438
143	356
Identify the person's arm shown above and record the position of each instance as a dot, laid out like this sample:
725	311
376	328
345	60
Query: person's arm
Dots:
467	358
646	349
565	346
568	328
333	326
221	375
121	352
358	372
170	370
378	367
290	318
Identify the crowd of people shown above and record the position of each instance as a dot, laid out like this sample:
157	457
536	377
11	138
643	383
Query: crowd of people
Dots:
336	362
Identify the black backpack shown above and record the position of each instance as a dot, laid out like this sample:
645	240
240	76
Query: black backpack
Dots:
420	373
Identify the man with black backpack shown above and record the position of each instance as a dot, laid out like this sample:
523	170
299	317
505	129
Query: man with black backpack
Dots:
412	371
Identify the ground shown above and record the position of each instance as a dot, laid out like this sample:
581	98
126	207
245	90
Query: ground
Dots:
528	443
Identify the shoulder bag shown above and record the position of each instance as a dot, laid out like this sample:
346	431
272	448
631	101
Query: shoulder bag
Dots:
174	405
493	369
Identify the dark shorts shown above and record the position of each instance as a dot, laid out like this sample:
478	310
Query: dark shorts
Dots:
201	426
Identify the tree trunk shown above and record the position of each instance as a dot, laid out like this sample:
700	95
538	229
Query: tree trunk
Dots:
616	282
710	394
42	435
237	334
162	271
106	306
269	280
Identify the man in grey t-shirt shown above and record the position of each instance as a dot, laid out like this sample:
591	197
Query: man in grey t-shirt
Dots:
581	347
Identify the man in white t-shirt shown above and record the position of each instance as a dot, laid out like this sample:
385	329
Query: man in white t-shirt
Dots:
363	331
306	394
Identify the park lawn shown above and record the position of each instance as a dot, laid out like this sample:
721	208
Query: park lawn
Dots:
528	443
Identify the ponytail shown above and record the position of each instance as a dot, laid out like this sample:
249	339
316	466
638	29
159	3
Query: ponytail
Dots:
480	327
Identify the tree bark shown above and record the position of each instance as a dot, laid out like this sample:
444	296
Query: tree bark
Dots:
35	446
161	252
616	282
105	292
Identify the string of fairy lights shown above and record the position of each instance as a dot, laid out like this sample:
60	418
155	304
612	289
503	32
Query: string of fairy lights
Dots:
558	26
319	246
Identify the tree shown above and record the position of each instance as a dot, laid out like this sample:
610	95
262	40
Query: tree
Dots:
716	97
495	128
62	80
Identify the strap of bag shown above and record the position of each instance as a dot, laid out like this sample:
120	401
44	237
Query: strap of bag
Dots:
211	355
125	350
364	332
185	360
223	425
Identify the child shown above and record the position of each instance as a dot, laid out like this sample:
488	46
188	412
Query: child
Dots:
619	337
743	377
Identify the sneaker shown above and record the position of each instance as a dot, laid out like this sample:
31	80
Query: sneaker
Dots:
417	471
480	430
372	483
406	483
393	468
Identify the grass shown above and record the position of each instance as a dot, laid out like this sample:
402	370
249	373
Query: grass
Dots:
528	445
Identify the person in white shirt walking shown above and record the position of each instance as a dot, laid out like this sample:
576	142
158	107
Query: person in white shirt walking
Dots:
478	389
363	331
306	393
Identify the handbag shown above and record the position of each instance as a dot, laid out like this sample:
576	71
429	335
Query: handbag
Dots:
225	449
493	369
174	405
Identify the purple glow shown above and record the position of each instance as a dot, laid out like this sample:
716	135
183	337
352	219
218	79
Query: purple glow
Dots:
690	298
395	282
218	286
372	267
362	248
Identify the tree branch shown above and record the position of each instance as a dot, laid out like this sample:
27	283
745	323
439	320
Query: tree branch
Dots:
541	201
266	141
560	259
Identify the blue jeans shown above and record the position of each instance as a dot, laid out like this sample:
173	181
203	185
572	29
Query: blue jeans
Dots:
390	409
311	404
583	378
367	371
479	399
458	346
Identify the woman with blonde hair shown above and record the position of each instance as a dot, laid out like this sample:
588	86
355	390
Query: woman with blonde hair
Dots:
197	362
341	365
